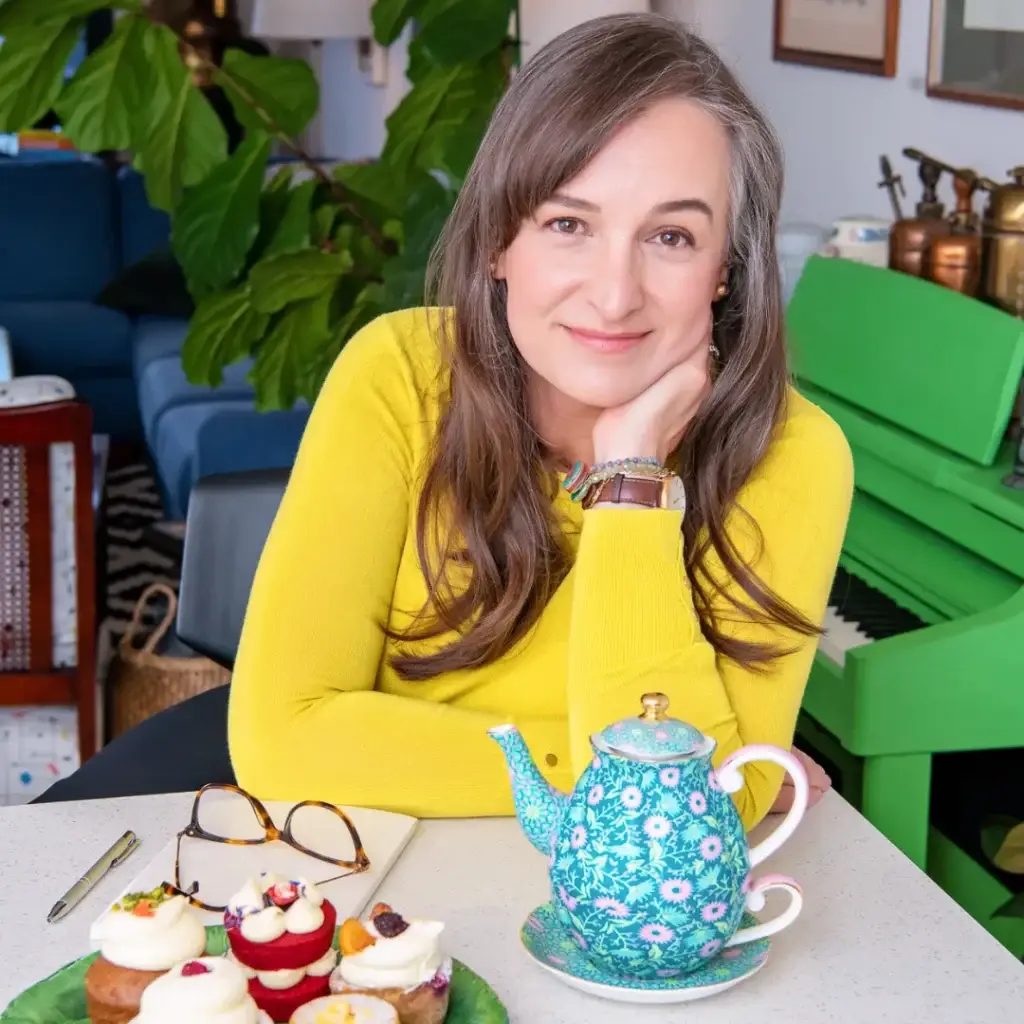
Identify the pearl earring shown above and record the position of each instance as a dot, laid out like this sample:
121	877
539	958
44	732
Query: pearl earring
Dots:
723	290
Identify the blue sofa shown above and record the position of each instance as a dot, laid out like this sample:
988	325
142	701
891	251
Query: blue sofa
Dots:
67	229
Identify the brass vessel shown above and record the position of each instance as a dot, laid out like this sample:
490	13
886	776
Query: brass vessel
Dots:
1003	243
911	238
954	261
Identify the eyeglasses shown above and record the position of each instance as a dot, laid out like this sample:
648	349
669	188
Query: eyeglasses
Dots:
305	818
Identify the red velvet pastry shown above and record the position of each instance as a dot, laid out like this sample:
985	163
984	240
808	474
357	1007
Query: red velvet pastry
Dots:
281	933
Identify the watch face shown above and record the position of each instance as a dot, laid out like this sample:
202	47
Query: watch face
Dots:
675	494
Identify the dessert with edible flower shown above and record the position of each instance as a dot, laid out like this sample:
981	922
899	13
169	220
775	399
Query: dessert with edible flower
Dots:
397	959
206	990
281	932
140	938
353	1009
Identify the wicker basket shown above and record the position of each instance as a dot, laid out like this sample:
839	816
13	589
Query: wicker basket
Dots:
144	682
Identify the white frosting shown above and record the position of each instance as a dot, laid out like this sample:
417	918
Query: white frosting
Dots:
403	962
287	978
260	923
218	996
349	1009
172	934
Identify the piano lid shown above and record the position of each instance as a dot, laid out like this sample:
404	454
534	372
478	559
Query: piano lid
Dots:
944	367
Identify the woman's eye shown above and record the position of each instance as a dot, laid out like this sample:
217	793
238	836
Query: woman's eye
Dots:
674	239
565	225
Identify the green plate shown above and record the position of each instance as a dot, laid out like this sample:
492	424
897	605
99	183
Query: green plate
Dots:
60	998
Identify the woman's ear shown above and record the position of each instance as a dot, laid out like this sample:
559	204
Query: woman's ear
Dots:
498	267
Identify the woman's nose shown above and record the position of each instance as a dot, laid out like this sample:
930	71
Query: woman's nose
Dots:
616	285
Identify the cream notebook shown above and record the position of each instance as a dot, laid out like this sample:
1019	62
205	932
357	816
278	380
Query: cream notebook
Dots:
221	869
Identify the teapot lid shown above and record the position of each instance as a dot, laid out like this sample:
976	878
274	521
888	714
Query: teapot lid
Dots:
652	735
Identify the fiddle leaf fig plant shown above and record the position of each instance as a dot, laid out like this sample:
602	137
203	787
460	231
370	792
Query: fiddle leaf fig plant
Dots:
282	267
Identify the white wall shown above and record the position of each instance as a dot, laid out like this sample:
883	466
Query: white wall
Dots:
835	124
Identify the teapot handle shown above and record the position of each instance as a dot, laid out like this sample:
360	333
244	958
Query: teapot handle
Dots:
756	902
730	779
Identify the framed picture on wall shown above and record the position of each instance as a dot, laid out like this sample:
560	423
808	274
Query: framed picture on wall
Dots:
850	35
976	52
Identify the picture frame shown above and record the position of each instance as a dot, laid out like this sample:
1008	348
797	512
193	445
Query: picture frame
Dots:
846	35
976	51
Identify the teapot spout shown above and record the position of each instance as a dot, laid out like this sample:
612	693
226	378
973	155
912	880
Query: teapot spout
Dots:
539	806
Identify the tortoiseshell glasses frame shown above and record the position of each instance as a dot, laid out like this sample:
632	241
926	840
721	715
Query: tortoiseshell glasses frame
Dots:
271	832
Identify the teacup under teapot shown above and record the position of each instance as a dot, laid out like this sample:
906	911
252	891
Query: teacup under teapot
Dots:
648	858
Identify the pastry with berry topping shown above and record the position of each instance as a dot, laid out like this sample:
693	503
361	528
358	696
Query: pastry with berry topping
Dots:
398	960
140	938
206	990
353	1009
281	933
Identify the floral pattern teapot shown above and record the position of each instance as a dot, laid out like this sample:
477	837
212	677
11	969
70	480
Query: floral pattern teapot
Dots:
648	858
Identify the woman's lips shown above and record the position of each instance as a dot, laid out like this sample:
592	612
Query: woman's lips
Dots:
604	341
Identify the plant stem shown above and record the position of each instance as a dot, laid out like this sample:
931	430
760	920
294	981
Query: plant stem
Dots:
335	187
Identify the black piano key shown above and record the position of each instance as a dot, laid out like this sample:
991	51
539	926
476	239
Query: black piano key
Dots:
875	613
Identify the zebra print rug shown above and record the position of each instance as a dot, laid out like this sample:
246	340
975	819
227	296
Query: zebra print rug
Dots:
132	561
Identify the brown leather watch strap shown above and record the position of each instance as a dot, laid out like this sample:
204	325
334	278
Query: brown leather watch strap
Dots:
627	490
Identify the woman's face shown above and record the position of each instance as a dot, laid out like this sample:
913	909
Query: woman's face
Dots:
610	283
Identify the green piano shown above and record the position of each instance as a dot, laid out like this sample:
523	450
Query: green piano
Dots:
924	648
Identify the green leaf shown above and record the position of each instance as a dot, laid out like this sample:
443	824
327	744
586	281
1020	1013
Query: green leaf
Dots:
284	89
104	103
439	123
379	188
389	17
225	328
216	223
283	359
639	892
16	14
33	57
294	228
278	280
461	32
186	140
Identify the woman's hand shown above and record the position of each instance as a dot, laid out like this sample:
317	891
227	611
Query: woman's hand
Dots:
653	423
817	777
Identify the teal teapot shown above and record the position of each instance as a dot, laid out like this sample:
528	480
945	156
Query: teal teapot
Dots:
648	859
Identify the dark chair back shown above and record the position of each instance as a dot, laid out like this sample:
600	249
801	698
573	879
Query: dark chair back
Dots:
229	517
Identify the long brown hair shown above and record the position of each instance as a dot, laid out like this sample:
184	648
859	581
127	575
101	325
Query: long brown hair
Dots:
486	503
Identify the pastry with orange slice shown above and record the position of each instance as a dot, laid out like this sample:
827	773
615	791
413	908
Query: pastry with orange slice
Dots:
140	938
397	960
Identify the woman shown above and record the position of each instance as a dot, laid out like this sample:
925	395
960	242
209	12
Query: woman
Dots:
607	291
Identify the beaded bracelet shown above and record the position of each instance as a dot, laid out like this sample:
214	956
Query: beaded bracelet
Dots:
582	477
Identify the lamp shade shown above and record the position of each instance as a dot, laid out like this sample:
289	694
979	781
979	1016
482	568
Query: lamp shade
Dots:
311	19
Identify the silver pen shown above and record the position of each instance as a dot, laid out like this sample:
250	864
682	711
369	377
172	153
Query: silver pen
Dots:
117	853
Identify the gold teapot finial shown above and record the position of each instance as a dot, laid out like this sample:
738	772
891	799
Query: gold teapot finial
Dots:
655	707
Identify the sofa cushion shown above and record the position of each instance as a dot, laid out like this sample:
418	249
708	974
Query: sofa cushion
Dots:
69	339
60	230
143	228
174	445
155	338
162	385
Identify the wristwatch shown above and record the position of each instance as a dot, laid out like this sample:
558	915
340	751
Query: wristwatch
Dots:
649	492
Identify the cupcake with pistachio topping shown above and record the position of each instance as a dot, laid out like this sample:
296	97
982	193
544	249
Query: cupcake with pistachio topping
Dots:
140	938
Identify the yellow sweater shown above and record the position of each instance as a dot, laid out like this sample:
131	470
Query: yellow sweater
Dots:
316	712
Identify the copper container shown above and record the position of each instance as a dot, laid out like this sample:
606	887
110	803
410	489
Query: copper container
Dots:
1003	244
955	260
910	242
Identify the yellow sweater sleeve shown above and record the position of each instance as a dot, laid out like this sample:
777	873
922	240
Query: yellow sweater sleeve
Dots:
304	720
635	628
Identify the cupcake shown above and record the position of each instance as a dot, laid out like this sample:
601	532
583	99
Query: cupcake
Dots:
207	990
353	1009
281	934
397	960
140	938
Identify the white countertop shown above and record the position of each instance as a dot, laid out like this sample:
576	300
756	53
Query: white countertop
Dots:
877	940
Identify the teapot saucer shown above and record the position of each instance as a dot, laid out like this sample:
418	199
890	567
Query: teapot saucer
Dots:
550	948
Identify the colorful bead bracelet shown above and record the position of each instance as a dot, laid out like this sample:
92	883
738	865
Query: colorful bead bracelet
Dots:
582	477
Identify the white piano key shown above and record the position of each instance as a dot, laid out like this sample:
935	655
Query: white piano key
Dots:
841	635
